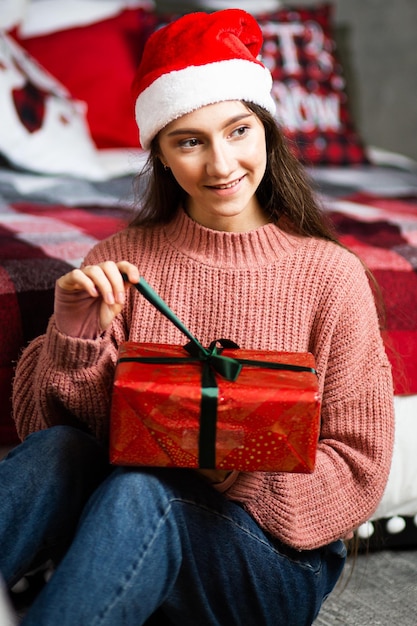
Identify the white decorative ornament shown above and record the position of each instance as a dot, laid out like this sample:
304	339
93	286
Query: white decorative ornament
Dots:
366	530
395	525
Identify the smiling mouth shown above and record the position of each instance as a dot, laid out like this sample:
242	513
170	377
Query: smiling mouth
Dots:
228	185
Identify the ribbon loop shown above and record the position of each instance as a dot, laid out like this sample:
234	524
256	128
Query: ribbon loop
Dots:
226	366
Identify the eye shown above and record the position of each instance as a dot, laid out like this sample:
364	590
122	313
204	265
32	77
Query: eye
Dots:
189	143
241	131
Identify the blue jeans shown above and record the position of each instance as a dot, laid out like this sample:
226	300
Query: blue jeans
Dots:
150	544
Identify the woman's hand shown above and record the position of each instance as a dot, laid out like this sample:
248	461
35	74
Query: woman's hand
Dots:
102	281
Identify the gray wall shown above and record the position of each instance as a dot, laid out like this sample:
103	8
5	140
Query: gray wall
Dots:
380	38
377	42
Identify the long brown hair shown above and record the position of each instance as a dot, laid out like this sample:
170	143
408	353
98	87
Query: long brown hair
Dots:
285	192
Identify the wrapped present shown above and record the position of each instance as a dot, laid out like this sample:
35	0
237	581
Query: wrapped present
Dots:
219	407
265	420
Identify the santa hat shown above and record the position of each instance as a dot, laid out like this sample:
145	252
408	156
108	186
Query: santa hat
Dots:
200	59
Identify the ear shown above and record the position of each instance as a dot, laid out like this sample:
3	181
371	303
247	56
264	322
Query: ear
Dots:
161	158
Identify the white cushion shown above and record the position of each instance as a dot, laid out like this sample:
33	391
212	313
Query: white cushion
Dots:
400	496
43	129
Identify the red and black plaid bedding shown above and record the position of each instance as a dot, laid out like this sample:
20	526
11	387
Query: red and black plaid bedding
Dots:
38	243
383	233
40	240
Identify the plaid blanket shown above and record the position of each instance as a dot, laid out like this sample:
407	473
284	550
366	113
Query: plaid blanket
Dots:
47	227
41	239
383	233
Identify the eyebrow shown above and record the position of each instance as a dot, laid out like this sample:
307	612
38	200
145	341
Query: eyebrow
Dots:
196	131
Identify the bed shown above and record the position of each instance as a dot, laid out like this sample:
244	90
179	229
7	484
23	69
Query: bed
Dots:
66	182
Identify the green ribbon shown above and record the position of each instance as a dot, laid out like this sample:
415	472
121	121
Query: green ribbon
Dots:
212	361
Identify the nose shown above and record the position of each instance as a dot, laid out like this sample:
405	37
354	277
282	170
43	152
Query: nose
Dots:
220	160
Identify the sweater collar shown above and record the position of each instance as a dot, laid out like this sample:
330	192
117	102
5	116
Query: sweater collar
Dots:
255	248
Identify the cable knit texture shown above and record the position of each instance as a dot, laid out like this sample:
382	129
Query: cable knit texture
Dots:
264	289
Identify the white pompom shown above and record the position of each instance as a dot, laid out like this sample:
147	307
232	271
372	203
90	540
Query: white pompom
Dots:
396	525
366	530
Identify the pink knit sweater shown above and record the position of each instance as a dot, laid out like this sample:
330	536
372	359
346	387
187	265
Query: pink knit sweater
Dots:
263	289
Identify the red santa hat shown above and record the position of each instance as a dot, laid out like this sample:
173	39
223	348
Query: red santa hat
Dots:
200	59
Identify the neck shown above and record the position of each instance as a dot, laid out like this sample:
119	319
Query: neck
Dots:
249	219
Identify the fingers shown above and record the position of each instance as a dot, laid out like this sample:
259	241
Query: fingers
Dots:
77	280
104	279
131	271
108	281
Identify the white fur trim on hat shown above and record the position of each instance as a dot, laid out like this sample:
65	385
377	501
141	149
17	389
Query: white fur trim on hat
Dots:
181	91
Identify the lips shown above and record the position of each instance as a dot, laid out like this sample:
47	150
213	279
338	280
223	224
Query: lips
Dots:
228	185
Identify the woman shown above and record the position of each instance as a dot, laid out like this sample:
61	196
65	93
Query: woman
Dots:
231	238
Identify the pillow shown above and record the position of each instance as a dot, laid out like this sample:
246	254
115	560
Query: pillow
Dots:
309	87
42	129
96	63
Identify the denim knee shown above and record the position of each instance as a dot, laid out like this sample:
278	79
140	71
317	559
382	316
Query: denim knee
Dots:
61	440
60	448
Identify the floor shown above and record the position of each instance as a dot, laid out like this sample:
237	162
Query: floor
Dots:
379	589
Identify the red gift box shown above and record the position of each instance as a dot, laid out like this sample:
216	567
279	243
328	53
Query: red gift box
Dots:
267	419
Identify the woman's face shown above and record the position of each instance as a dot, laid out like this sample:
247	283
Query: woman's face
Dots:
218	156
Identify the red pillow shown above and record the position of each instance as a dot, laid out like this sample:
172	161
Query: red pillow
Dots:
97	63
309	87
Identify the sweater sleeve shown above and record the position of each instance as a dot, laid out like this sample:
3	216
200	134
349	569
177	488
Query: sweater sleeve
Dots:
64	379
356	440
